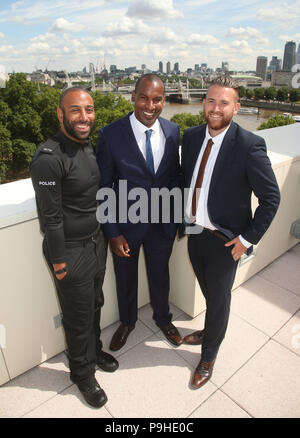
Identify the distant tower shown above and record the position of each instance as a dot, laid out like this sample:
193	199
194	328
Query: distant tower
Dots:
176	67
275	64
289	56
161	67
298	55
225	66
168	67
261	67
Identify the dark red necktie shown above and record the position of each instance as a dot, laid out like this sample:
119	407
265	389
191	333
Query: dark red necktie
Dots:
200	177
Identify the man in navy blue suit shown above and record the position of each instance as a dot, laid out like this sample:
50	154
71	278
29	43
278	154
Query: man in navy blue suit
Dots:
141	150
222	165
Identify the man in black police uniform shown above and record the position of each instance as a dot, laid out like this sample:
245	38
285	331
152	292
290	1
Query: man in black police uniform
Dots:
66	178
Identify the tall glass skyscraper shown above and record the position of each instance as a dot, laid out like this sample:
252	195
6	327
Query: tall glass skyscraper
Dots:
298	55
289	57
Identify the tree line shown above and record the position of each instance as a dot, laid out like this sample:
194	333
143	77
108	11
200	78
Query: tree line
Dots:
283	94
28	118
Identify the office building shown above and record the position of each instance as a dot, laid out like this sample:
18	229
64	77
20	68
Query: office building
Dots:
176	67
161	67
275	64
261	67
298	55
168	67
289	57
225	66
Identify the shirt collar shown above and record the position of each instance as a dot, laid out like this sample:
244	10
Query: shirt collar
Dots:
218	139
62	138
142	128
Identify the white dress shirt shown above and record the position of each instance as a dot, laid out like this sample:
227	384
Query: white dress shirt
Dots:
158	139
202	217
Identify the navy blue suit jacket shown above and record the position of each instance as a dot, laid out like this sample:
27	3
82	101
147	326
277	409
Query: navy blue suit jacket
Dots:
119	158
242	167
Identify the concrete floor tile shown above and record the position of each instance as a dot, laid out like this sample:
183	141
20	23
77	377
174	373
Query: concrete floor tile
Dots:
34	387
219	406
146	316
264	304
268	386
285	272
152	381
240	343
140	333
68	404
289	335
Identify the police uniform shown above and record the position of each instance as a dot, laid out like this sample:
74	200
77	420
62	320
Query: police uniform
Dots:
65	177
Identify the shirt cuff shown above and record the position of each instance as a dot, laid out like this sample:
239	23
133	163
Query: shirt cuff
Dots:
245	242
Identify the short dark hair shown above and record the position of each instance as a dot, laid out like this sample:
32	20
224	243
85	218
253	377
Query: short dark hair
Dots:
68	90
148	77
226	81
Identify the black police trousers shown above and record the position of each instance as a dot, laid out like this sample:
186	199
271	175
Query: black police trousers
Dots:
81	297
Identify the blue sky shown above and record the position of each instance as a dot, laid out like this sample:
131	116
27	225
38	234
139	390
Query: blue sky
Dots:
68	34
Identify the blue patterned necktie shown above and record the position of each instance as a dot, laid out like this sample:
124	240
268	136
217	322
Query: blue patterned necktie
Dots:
149	154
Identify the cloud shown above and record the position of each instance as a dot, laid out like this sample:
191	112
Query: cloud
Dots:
242	46
283	13
126	26
153	10
198	39
39	47
63	25
19	19
248	33
1	35
167	37
48	36
6	49
295	37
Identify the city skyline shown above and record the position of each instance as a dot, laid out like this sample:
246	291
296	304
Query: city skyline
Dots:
64	35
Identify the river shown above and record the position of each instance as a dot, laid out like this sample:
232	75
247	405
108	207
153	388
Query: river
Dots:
247	121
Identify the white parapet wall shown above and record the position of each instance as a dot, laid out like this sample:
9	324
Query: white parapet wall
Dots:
30	326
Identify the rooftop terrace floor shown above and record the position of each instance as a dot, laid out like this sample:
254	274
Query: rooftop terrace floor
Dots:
257	372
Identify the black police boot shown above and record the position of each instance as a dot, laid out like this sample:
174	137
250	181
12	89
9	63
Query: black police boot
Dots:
107	362
92	393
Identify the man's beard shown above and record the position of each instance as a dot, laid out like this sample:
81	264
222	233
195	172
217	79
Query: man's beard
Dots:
218	124
70	128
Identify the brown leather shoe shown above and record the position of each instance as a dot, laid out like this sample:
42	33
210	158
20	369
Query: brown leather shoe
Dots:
120	337
172	334
195	338
202	373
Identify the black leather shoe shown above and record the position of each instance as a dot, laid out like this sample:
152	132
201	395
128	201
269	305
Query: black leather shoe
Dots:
120	337
107	362
92	393
172	334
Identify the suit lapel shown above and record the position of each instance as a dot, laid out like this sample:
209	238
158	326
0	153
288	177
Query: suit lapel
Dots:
131	142
193	155
169	145
224	158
